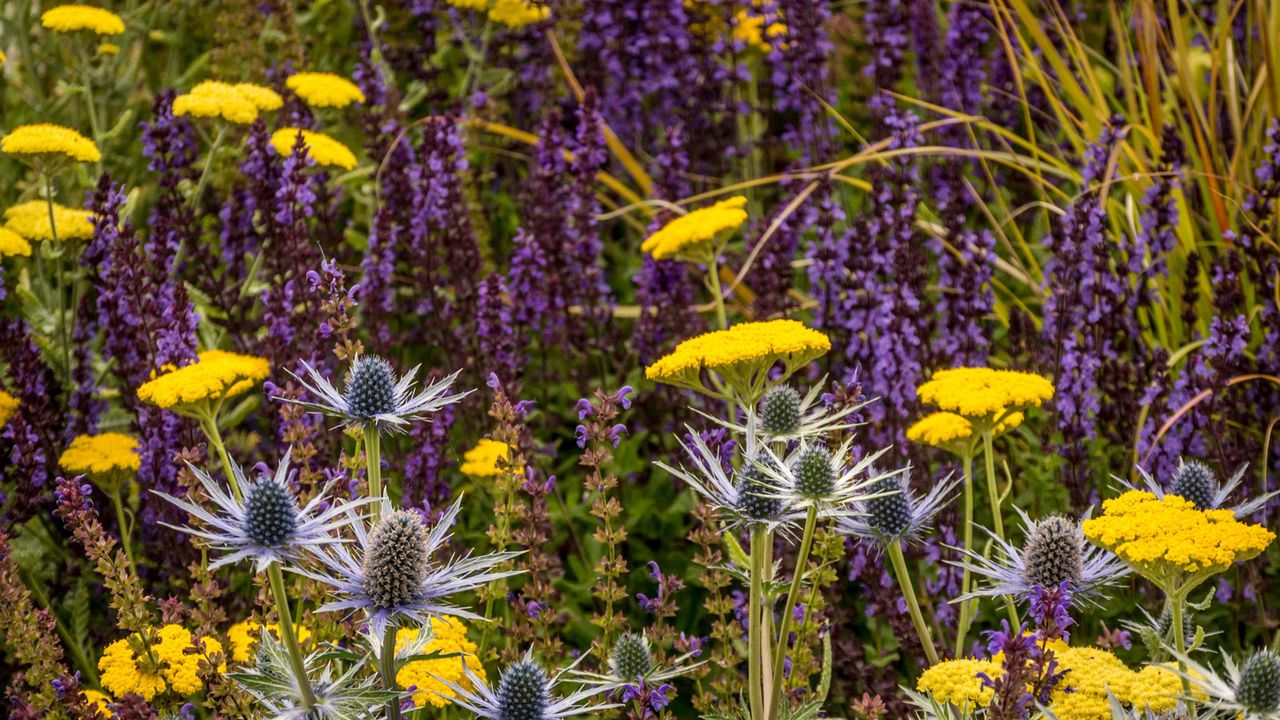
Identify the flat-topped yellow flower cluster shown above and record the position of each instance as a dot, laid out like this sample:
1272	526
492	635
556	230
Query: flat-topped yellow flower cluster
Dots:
216	375
482	460
245	634
1090	674
1162	537
322	89
173	663
945	429
979	392
239	103
689	237
101	454
49	139
741	355
449	641
31	220
71	18
320	147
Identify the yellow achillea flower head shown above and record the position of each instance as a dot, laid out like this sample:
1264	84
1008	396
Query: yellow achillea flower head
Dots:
3	58
98	701
31	221
70	18
320	147
449	641
100	454
245	634
217	99
741	355
516	14
108	49
8	407
953	432
11	243
750	30
172	663
215	376
482	460
262	97
1091	673
1157	687
956	682
985	393
48	141
689	237
1171	542
322	89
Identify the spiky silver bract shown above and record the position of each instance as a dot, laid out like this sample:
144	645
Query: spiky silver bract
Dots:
267	526
525	692
631	662
891	511
811	475
347	569
1197	479
367	400
339	695
1250	691
1016	571
739	497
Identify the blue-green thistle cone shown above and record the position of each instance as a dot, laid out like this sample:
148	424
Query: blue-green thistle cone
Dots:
814	473
889	515
1195	483
780	411
396	562
752	501
1259	686
1053	552
371	387
271	516
523	692
631	658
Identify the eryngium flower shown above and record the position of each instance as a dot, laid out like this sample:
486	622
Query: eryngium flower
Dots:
1055	550
267	526
631	663
631	657
1248	692
1194	482
339	696
738	497
813	418
892	512
813	475
524	692
780	411
393	575
374	396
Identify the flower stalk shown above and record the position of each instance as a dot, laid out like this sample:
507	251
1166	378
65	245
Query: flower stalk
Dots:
289	637
779	652
913	602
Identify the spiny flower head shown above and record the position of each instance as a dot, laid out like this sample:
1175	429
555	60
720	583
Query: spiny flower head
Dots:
457	655
8	407
691	236
31	220
320	147
1164	538
890	511
46	139
1195	482
754	500
270	514
985	393
217	99
243	636
322	89
631	658
483	460
780	410
815	477
888	508
1054	552
524	691
1258	689
742	355
397	560
11	243
101	455
215	376
373	396
153	661
71	18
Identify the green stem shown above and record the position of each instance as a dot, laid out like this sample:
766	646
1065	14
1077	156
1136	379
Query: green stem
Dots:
1180	642
289	638
59	282
913	603
477	61
124	529
966	606
86	77
755	624
717	292
779	651
209	424
993	493
387	668
373	465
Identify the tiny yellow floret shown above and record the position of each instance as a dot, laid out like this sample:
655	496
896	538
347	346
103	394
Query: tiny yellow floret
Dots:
320	147
70	18
322	89
216	375
689	237
46	139
31	220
